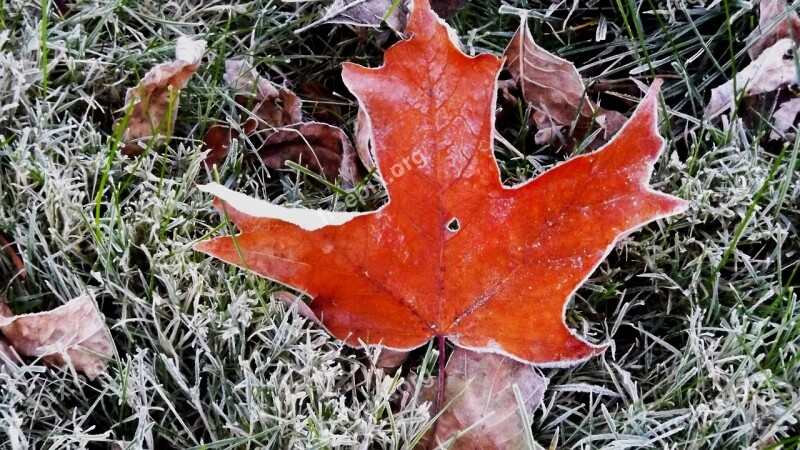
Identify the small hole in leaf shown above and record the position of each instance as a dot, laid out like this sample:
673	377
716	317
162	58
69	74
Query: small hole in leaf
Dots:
453	225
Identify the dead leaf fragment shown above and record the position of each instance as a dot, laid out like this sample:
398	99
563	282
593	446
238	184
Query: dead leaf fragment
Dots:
278	133
772	70
218	141
150	100
447	8
372	13
364	13
554	89
482	410
390	360
773	25
276	106
322	148
74	333
785	120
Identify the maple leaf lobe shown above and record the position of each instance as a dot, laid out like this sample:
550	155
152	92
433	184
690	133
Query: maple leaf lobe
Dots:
400	275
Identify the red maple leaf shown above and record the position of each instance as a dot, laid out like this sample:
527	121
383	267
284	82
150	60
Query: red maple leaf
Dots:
454	253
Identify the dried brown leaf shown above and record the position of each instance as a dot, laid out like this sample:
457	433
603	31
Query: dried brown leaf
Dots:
554	89
482	410
772	70
323	104
774	24
276	106
372	13
784	120
364	13
74	333
390	360
447	8
322	148
218	141
150	100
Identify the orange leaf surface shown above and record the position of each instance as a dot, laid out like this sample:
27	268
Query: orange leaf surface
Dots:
454	252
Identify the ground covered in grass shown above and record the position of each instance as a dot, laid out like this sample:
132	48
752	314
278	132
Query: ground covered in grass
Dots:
701	309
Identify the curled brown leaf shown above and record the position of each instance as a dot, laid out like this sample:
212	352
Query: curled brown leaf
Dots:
554	89
482	409
303	310
784	120
322	148
154	102
275	105
772	70
390	360
74	333
372	13
775	22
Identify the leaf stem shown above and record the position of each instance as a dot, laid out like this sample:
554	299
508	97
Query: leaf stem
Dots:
442	375
442	378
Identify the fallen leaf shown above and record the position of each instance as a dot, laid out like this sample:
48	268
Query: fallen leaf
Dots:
276	106
217	141
279	133
372	13
390	360
454	253
323	104
771	28
150	100
554	89
447	8
482	409
774	69
74	333
364	13
322	148
784	120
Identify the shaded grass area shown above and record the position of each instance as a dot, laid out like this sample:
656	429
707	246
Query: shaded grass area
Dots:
702	309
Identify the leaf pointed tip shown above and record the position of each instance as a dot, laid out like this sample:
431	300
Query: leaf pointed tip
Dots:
222	247
674	205
204	246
